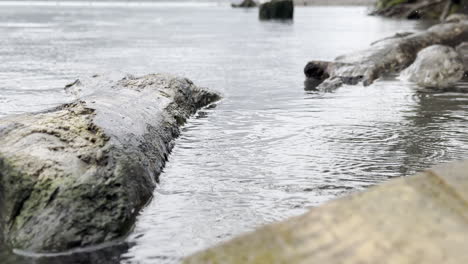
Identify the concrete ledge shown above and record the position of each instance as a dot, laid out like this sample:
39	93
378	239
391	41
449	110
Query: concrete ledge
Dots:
418	219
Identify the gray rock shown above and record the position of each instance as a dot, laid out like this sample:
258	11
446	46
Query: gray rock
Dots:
436	66
77	175
277	9
245	4
390	55
462	49
456	18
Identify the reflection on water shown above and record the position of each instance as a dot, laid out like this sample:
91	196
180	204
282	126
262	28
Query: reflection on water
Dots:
269	150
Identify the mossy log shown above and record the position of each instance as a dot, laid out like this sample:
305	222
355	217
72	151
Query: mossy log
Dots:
77	175
418	219
389	55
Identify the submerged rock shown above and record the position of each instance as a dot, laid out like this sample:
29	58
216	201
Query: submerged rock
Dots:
436	66
77	175
277	9
245	4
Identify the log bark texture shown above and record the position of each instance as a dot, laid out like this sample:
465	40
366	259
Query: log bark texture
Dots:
77	175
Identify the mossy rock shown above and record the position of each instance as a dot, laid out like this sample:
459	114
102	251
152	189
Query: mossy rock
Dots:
77	175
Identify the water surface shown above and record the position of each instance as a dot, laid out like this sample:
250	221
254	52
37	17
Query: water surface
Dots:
269	150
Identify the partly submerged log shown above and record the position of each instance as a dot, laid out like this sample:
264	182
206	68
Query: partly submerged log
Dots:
418	219
389	55
77	175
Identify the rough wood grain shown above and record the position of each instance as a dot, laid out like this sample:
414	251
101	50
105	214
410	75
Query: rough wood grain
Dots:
419	219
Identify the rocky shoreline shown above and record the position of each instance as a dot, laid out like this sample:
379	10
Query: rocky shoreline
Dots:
77	175
386	56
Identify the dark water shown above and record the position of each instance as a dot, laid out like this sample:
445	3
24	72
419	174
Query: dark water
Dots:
269	150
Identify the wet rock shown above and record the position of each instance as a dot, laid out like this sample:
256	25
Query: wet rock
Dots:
462	49
245	4
390	55
277	9
77	175
456	18
436	66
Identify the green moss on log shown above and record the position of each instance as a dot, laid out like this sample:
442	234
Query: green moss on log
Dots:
77	175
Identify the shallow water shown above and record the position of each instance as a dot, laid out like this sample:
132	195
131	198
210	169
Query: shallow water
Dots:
269	150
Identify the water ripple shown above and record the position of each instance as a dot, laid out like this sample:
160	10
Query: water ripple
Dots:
268	150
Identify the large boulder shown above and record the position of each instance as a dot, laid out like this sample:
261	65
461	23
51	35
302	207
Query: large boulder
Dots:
277	9
462	49
245	4
77	175
436	66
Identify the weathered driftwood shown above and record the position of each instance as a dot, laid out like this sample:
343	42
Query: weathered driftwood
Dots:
78	174
418	219
386	56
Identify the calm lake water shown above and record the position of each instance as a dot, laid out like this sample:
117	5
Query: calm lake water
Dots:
270	149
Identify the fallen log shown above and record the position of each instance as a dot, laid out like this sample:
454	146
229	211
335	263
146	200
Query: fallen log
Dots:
389	55
77	175
418	219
